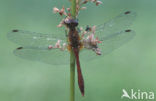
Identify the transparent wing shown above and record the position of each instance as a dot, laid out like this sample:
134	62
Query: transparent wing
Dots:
108	44
117	24
52	56
33	39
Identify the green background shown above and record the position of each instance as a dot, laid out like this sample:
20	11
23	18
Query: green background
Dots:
132	66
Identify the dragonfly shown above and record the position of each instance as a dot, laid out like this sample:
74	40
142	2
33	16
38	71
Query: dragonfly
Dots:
87	44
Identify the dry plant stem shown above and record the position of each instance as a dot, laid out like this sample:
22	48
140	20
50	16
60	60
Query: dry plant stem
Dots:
72	58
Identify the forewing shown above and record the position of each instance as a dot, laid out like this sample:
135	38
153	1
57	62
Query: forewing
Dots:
32	39
117	24
49	56
108	44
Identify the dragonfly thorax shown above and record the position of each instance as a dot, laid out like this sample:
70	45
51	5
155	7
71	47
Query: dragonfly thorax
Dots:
74	39
73	34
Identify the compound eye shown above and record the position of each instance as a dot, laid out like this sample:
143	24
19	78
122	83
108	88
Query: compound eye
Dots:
71	22
75	24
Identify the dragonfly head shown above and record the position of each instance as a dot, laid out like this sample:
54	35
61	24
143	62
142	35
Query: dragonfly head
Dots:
71	23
